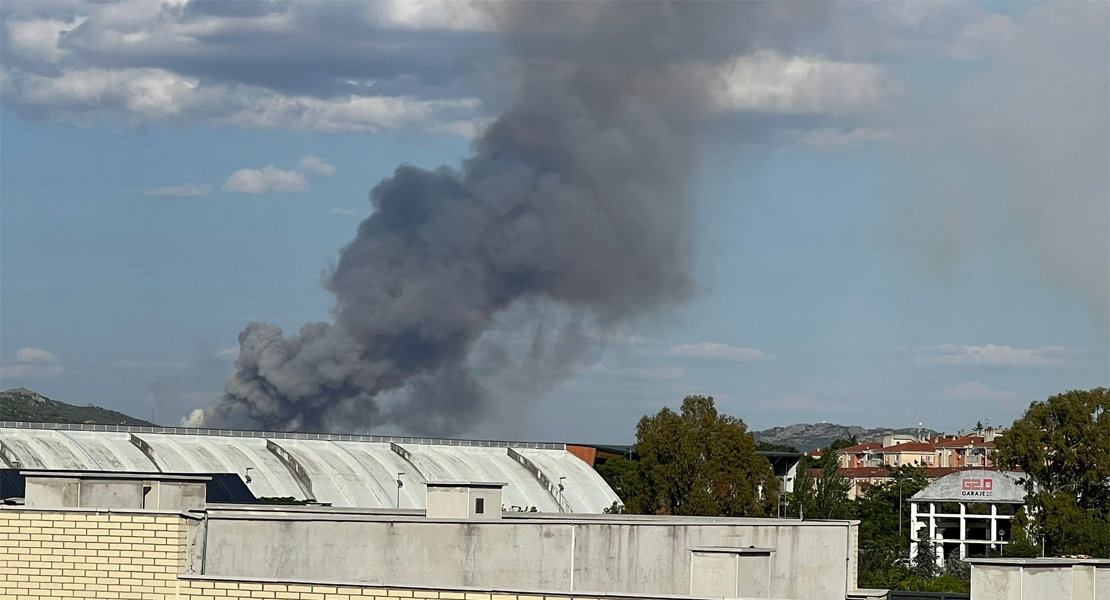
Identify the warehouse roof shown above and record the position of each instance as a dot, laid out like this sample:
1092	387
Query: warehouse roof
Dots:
342	470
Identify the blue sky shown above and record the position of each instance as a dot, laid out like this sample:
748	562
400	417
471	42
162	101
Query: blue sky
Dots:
911	230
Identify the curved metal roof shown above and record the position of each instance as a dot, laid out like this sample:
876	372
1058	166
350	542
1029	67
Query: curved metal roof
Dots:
343	470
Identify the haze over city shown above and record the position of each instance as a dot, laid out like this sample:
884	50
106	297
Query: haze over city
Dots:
877	214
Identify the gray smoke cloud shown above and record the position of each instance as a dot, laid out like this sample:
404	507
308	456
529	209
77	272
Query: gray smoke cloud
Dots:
577	195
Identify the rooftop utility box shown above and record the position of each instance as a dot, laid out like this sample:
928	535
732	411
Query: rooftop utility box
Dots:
727	572
470	500
92	489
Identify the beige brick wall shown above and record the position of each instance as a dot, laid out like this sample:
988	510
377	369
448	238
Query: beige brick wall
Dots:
88	554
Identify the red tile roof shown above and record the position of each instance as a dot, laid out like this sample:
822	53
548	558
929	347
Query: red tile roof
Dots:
963	442
912	447
930	472
862	447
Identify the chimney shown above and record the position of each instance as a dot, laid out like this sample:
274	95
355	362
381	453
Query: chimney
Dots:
465	500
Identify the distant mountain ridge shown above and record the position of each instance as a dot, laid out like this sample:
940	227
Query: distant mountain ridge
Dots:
22	404
806	436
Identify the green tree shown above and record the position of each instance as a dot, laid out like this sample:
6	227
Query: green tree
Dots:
825	498
925	561
699	462
884	530
1063	444
624	476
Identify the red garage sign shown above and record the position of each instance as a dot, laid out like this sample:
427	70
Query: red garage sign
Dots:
978	488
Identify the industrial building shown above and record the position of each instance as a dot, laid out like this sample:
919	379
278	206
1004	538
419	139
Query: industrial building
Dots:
115	521
353	471
93	519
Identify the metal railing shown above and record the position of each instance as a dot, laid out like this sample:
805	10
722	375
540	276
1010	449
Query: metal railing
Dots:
904	595
283	435
552	488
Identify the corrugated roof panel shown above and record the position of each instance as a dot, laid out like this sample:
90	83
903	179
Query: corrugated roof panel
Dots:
351	473
583	488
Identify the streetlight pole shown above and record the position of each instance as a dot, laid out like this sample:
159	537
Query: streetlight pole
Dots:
399	486
899	506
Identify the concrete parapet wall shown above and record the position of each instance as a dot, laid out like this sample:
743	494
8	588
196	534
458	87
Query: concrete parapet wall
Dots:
611	555
142	554
1040	579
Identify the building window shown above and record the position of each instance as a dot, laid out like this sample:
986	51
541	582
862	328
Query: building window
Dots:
479	506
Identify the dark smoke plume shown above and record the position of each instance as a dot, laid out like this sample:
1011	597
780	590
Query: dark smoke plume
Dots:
577	194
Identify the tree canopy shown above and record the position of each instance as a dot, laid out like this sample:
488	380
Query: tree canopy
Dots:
694	462
1063	444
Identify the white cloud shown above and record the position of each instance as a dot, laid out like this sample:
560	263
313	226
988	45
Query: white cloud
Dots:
33	363
991	355
147	364
835	139
267	179
187	190
347	212
36	355
974	390
314	165
38	39
432	14
143	96
193	419
715	351
231	353
770	82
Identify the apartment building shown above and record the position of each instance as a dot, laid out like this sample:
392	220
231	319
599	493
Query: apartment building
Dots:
868	464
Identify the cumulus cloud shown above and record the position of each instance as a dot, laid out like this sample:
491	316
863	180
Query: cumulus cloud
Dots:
38	39
447	15
314	165
991	355
33	363
767	81
973	390
716	351
354	67
141	96
188	190
265	180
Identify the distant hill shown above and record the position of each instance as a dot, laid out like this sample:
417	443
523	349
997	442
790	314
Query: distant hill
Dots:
806	437
21	404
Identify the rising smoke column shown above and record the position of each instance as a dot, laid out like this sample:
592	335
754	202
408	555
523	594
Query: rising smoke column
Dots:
577	194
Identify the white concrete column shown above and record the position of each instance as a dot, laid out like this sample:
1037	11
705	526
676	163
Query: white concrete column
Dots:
963	531
994	526
913	530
